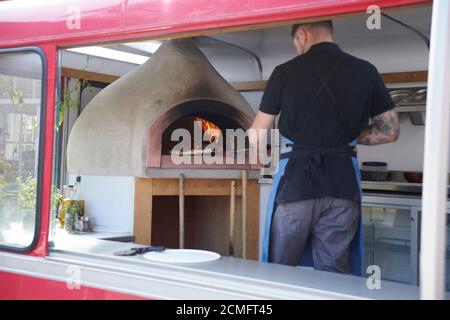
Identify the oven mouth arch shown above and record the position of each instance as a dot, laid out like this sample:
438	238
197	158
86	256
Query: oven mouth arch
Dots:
209	109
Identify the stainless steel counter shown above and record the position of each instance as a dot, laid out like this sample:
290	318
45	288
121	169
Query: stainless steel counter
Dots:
227	278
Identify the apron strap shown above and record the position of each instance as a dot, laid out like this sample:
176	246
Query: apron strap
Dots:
330	93
329	74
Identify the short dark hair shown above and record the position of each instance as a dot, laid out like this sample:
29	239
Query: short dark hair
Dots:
327	24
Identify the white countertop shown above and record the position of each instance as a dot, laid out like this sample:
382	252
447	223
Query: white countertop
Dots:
61	235
277	281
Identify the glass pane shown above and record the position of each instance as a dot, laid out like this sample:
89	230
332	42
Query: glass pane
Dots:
387	242
20	104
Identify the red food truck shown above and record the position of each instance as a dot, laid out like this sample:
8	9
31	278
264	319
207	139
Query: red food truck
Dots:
43	76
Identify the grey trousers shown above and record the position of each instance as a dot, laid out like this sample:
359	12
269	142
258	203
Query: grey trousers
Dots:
329	223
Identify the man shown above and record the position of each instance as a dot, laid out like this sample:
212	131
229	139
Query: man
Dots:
325	98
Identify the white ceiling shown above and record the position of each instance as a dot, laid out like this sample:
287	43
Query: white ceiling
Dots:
347	30
275	45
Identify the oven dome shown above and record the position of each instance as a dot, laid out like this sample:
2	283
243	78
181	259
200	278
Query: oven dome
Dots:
110	136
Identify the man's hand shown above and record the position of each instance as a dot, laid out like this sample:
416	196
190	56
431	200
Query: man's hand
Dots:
384	129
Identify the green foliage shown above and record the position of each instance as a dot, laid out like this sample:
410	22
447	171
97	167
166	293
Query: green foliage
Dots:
74	208
5	168
5	171
7	89
67	102
27	192
57	198
30	123
16	97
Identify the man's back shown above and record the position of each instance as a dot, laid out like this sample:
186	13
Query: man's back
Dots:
355	84
325	98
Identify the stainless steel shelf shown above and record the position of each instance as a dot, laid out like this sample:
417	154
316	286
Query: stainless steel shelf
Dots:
391	186
421	108
394	187
385	187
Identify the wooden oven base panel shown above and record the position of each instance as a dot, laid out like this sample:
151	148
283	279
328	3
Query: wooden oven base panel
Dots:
207	214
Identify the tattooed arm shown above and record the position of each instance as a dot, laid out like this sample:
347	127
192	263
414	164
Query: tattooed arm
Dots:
384	129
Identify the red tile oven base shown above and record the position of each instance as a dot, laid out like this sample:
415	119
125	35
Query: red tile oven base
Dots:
166	163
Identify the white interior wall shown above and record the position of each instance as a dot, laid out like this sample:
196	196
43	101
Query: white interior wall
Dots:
109	201
404	155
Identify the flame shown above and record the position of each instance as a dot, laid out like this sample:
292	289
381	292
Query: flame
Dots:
209	129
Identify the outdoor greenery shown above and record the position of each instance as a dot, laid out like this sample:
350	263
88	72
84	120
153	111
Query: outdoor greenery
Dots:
57	198
6	172
27	192
67	102
7	89
17	98
5	168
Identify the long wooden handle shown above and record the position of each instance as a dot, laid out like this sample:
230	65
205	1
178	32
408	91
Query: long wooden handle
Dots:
181	211
244	213
232	217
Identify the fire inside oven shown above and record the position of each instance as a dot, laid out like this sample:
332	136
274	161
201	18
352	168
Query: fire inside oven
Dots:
212	128
206	123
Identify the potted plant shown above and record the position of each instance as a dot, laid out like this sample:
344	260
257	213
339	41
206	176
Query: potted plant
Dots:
73	210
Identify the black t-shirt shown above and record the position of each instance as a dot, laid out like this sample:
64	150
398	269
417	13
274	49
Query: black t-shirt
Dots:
359	91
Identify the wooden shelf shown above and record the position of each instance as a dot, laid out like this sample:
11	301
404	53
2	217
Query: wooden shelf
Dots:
88	75
394	77
250	85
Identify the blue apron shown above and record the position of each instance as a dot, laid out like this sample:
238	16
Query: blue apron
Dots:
356	254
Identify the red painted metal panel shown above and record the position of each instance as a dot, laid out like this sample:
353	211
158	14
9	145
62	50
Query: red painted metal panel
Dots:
105	20
43	21
21	287
50	52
